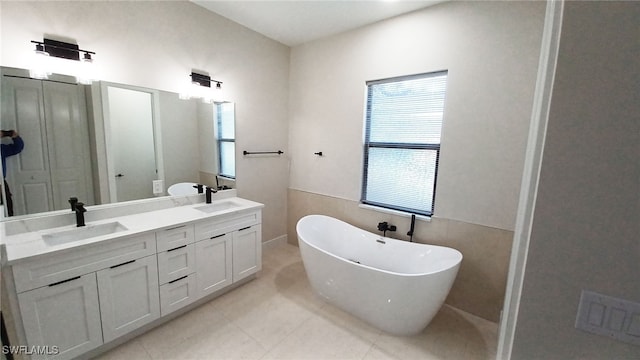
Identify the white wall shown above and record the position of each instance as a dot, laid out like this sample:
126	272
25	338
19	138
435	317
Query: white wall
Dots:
491	51
587	213
157	44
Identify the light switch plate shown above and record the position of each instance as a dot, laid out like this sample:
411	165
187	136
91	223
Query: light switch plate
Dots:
158	187
608	316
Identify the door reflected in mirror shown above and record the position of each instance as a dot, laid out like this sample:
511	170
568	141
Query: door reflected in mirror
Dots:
79	147
131	136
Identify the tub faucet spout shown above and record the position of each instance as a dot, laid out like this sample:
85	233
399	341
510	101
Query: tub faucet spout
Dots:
384	227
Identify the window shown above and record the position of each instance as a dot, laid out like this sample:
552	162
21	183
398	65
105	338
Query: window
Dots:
226	140
402	142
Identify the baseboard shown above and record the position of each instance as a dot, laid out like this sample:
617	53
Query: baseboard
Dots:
282	239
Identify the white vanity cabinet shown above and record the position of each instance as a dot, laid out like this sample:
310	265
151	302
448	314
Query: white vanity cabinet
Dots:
59	299
228	249
129	296
63	317
71	301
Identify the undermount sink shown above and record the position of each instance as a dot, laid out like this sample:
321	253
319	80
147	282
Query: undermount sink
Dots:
215	207
83	233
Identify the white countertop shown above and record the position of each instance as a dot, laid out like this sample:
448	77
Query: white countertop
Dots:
26	245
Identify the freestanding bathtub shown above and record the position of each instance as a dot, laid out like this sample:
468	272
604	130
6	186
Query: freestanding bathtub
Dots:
394	285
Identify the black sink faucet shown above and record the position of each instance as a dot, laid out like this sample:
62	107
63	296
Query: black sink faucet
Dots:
80	210
210	191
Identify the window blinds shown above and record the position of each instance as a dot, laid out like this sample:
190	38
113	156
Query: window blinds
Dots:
226	139
402	141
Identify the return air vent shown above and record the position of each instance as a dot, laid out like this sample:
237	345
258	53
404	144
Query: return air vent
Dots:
609	316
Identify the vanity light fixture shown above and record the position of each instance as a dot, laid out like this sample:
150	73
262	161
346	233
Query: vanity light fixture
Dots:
201	88
53	56
204	80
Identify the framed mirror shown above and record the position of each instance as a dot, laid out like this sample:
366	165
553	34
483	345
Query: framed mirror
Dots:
108	142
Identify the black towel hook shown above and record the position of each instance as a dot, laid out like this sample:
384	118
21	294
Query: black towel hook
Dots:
319	153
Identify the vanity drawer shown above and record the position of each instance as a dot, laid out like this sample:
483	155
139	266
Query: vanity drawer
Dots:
225	224
173	237
177	293
176	263
49	269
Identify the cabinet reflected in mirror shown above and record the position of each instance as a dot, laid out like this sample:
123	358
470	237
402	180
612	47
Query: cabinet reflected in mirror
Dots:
54	165
97	144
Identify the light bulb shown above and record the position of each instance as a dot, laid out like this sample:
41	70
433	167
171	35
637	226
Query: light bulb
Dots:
39	63
84	73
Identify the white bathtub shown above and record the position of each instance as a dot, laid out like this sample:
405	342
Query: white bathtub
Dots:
394	285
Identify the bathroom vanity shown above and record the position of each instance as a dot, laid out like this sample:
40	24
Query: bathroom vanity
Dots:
73	289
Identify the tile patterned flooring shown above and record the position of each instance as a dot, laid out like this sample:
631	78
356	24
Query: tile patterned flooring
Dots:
277	316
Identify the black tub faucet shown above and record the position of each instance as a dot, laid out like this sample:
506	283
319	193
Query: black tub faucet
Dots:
200	188
384	227
80	210
73	201
210	191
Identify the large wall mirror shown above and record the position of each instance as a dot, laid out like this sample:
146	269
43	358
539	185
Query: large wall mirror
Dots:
108	142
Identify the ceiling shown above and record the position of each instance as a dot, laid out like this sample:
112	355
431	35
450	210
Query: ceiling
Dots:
294	22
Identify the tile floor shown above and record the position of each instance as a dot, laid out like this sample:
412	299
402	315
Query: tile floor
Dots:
276	316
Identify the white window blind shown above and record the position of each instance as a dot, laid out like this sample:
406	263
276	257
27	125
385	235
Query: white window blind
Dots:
402	141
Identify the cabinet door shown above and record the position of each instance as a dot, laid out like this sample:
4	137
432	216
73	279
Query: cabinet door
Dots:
63	317
247	252
213	264
129	296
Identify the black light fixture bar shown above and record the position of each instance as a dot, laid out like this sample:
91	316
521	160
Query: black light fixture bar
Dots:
204	80
62	49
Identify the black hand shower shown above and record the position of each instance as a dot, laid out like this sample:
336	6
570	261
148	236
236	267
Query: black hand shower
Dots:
413	224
